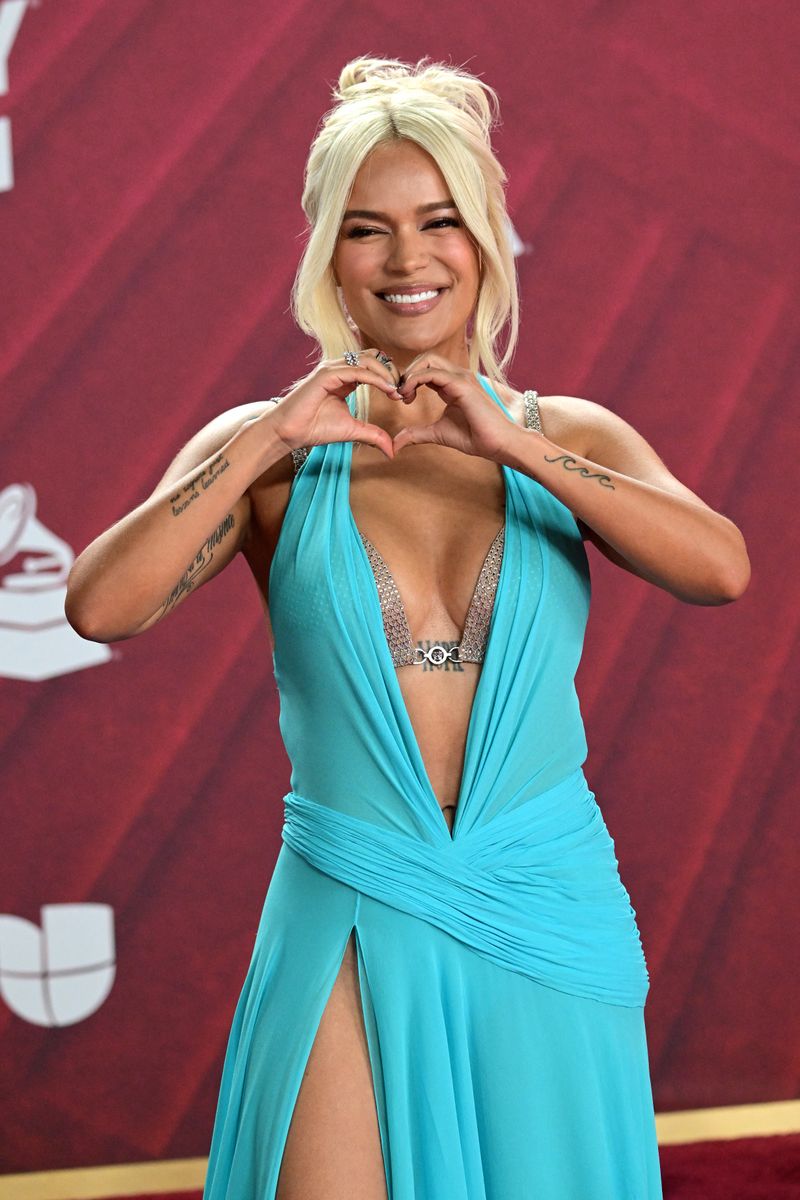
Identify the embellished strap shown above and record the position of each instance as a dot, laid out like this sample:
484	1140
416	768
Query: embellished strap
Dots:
532	418
395	625
476	629
472	646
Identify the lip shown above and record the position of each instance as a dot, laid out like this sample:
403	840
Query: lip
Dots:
413	310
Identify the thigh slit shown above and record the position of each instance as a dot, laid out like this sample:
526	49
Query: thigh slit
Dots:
333	1147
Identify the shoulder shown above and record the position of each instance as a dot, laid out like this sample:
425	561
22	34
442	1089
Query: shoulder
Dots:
566	420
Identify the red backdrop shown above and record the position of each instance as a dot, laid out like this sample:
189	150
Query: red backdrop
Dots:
151	226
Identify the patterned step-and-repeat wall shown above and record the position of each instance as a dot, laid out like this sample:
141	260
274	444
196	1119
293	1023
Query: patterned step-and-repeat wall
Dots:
151	159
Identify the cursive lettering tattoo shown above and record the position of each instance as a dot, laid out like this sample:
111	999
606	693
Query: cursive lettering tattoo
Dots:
199	564
603	480
203	479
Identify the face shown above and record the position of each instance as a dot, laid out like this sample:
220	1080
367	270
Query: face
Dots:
406	232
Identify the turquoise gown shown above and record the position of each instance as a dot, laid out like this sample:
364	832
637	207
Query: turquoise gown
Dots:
502	975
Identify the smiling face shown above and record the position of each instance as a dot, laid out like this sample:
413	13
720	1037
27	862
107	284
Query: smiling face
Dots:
402	235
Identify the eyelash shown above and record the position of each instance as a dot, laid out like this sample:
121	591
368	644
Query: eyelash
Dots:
358	230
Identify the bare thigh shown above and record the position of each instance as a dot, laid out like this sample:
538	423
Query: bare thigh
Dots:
333	1148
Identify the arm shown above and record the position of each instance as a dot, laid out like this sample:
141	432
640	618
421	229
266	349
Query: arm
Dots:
185	533
634	510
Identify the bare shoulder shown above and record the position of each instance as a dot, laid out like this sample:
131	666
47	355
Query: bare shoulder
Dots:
565	420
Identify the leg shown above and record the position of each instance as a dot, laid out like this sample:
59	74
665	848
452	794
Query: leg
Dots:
333	1149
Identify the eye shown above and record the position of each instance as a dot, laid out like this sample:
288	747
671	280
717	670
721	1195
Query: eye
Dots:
361	231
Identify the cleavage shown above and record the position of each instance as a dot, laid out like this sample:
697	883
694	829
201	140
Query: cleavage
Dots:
432	528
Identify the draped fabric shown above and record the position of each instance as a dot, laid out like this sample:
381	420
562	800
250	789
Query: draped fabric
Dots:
520	910
535	890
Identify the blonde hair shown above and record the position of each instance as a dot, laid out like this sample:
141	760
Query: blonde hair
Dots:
449	113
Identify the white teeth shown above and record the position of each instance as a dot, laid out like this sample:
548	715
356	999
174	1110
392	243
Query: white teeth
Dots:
410	298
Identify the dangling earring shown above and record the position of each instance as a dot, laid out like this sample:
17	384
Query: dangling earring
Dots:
351	323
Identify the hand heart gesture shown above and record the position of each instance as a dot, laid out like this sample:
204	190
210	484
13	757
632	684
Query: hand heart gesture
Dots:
472	422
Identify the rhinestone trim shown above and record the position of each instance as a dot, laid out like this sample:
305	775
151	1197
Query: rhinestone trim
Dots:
472	647
532	417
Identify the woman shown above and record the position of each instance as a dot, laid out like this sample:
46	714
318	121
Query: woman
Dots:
446	995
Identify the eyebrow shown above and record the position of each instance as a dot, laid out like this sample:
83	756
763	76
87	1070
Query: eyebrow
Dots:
380	216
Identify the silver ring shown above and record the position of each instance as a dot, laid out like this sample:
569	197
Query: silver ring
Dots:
351	358
384	358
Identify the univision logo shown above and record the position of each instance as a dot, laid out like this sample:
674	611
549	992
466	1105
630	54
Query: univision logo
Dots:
61	973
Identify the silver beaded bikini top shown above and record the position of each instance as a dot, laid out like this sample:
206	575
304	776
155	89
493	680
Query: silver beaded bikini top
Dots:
472	646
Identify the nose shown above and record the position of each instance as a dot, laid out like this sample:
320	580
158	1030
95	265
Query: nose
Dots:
407	252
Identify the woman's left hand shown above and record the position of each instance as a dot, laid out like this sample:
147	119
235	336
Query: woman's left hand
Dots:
471	422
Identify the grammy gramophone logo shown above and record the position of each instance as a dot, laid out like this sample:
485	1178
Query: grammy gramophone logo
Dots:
36	640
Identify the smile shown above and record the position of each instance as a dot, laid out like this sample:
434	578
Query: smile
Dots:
411	303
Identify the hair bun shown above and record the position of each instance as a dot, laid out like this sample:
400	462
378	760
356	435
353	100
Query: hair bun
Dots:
369	76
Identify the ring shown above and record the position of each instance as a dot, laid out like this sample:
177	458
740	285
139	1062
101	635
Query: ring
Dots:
384	358
351	358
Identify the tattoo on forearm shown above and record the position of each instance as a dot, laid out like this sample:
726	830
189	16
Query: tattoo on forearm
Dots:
603	480
200	563
181	500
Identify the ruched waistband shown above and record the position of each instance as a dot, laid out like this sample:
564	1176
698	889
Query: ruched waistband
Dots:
535	890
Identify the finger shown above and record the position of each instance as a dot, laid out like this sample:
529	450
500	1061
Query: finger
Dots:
386	361
346	376
415	435
373	435
371	358
436	377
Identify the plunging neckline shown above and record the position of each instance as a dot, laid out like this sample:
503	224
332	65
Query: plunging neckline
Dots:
485	567
390	670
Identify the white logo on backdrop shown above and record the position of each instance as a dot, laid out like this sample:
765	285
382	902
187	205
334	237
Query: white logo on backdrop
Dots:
61	973
36	640
11	14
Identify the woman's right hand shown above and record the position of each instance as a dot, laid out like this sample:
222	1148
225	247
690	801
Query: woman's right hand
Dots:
315	411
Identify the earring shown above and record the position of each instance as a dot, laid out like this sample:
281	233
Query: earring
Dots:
351	323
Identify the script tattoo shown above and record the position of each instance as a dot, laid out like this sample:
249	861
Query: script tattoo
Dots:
203	479
200	563
603	480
